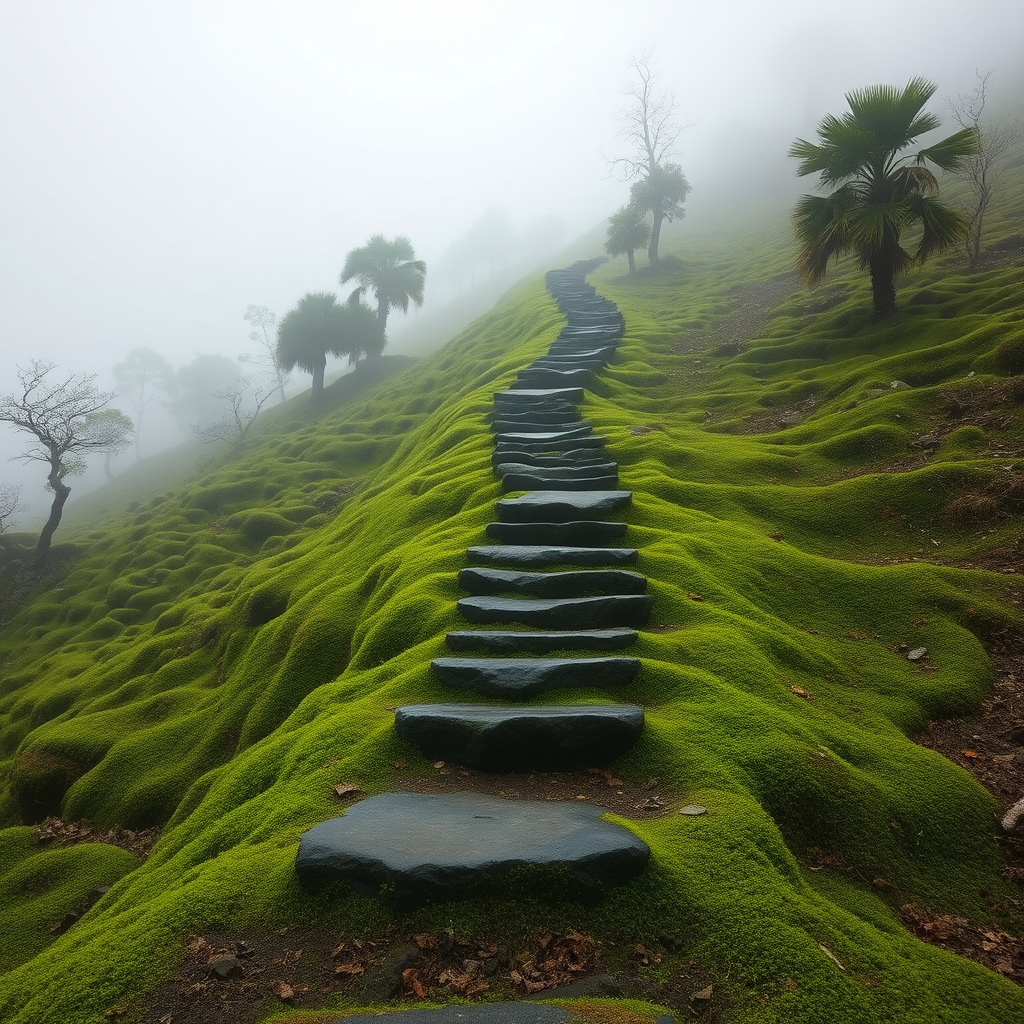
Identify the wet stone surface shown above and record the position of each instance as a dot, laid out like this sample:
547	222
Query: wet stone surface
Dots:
436	847
552	506
550	554
521	738
571	583
515	678
569	613
541	641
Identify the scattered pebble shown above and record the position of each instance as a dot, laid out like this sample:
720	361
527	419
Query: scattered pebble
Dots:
693	810
917	654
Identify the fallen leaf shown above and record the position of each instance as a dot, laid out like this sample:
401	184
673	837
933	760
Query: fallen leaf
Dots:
439	764
282	990
411	980
703	995
801	692
352	969
345	788
968	753
831	956
400	763
695	597
425	940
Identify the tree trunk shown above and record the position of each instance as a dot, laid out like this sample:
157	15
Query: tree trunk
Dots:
652	249
883	286
60	497
106	466
632	262
318	380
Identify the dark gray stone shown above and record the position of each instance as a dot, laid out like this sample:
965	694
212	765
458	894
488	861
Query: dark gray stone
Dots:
564	481
536	417
515	678
569	457
572	583
435	847
569	361
562	471
552	506
538	443
524	425
543	642
581	533
537	395
225	967
536	437
568	613
503	739
541	377
550	554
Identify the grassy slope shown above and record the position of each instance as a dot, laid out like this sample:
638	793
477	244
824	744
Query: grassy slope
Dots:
218	658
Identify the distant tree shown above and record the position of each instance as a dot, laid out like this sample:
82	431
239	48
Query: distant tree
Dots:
10	505
981	172
140	378
878	193
264	320
628	231
650	125
389	267
492	239
244	401
67	421
194	388
320	326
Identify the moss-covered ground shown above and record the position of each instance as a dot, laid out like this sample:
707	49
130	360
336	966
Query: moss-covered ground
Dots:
213	660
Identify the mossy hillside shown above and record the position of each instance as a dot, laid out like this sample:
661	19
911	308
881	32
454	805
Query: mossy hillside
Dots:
778	772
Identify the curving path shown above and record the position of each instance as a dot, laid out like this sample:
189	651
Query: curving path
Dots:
559	605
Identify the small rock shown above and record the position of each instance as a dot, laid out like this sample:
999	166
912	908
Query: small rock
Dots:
384	981
1012	818
917	654
704	995
693	810
1016	734
225	967
899	385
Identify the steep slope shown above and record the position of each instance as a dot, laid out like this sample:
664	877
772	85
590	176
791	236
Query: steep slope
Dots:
217	661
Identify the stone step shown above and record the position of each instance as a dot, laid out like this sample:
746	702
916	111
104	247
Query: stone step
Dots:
563	471
509	441
527	481
567	362
579	533
552	418
554	506
541	377
516	678
570	457
411	847
523	425
519	739
559	613
527	396
571	583
550	554
509	641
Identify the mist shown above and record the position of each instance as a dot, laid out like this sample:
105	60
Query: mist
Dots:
168	164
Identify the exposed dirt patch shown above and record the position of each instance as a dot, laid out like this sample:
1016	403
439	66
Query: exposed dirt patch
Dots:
235	978
67	833
594	786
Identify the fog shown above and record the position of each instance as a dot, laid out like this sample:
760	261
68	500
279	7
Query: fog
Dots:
165	165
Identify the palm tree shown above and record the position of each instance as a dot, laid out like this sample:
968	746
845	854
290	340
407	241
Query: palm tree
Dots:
662	194
319	326
628	231
391	269
878	193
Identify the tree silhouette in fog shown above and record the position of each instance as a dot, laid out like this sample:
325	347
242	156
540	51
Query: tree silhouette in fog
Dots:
390	269
628	231
878	191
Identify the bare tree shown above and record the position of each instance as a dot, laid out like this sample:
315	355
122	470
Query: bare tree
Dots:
264	320
649	124
10	505
981	172
67	421
244	400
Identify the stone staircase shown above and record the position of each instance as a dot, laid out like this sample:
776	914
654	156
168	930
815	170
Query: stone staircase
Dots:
554	586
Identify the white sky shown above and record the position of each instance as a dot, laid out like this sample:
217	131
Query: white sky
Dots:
164	164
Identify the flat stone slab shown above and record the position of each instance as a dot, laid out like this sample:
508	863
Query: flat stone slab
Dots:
535	437
544	377
572	583
564	481
524	425
536	443
437	846
541	642
527	395
579	533
569	457
552	506
535	417
485	1013
559	613
503	739
550	554
561	470
515	678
